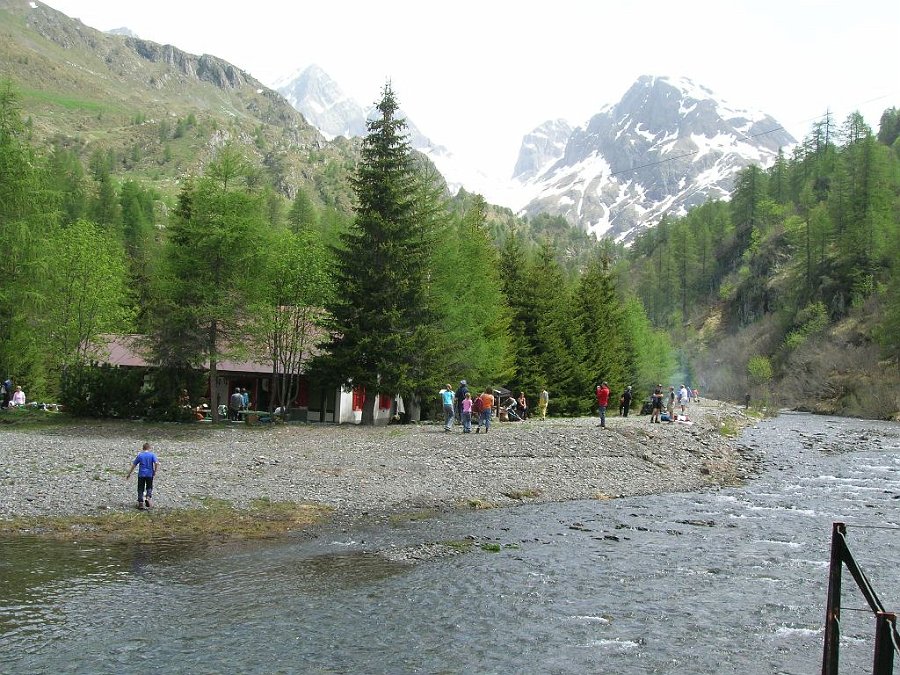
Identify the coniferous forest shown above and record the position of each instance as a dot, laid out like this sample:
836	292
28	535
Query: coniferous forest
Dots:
788	292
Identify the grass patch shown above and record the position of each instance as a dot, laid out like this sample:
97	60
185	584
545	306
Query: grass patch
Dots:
64	101
33	418
213	520
490	547
459	545
479	504
729	428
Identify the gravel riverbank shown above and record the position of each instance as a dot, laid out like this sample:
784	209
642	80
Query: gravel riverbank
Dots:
79	469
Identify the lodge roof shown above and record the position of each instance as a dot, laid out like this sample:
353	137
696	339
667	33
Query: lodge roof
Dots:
132	351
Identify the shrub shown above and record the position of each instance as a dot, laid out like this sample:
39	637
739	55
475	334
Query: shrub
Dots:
103	391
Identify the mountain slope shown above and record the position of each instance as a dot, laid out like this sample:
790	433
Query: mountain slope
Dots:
91	90
666	146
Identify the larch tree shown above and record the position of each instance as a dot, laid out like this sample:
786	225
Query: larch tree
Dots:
474	315
27	211
84	291
286	322
213	258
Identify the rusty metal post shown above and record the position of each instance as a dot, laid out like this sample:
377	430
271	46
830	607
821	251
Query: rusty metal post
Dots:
884	646
833	608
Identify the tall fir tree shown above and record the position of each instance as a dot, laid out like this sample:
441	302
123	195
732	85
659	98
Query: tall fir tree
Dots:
602	325
557	343
381	322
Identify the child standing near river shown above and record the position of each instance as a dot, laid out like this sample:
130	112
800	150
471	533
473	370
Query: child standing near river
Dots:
149	464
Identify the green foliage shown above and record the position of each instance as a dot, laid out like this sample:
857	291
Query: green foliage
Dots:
811	320
889	127
303	214
27	210
800	247
759	368
92	390
603	328
83	291
474	315
382	324
215	244
286	320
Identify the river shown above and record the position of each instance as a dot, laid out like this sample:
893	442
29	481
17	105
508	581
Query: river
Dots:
730	580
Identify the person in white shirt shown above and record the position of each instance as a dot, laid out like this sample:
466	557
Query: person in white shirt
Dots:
683	397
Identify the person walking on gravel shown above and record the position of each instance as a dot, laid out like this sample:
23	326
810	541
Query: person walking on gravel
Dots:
487	410
447	397
602	402
149	464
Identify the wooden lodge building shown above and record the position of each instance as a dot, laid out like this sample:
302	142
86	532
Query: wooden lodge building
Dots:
313	403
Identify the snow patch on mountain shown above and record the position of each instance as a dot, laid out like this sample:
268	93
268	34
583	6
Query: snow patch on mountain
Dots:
667	146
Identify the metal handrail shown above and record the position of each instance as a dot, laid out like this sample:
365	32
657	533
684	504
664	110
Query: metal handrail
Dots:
887	640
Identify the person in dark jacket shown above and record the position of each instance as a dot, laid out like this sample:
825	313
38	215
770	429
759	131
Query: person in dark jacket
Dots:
460	397
626	401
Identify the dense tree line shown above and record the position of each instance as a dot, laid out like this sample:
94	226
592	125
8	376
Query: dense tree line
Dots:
808	243
411	290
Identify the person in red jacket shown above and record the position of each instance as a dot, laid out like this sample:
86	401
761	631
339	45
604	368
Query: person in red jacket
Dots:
602	402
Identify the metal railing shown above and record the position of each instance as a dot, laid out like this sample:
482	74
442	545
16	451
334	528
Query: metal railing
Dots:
887	640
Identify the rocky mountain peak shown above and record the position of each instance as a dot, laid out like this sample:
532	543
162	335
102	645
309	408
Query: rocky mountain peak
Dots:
541	148
667	145
322	102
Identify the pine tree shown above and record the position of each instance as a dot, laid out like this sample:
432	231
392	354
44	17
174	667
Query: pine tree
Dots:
381	322
557	344
602	326
515	281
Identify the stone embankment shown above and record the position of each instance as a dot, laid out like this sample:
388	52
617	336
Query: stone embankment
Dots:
79	469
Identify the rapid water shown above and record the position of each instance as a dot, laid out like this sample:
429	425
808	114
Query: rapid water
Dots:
728	581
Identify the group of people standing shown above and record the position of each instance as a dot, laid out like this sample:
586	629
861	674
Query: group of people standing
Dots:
240	400
461	406
658	400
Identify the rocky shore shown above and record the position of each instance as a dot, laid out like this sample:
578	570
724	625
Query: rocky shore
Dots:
79	469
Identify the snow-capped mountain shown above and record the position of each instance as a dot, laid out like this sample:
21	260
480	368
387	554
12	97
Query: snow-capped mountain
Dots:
324	105
542	148
668	145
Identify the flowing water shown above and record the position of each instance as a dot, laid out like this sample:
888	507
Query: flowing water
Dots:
727	581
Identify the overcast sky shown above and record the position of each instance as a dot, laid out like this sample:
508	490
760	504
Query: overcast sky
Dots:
476	75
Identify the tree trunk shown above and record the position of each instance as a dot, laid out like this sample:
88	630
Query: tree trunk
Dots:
368	409
414	408
213	370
